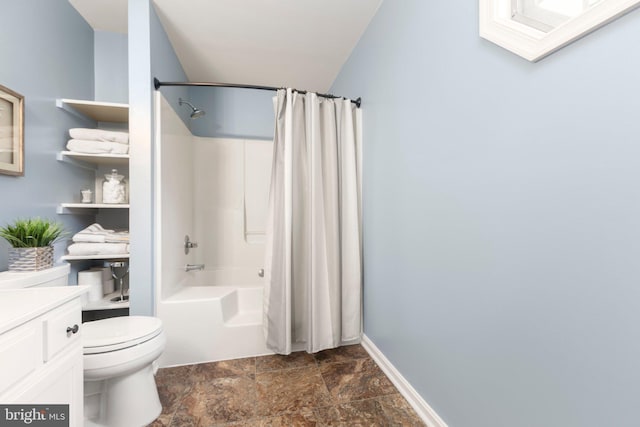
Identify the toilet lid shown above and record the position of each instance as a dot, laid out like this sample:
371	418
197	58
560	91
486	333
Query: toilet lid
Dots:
116	333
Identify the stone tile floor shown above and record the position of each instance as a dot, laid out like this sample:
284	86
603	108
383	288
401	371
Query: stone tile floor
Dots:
339	387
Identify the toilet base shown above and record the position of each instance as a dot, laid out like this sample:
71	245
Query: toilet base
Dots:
116	402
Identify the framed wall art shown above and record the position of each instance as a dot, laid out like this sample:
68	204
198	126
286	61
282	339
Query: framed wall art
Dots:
11	132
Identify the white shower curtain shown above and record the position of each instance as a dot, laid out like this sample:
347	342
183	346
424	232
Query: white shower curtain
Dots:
313	266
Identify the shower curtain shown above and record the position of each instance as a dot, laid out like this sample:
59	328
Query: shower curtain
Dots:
313	266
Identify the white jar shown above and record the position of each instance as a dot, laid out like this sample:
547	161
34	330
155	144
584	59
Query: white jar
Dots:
114	188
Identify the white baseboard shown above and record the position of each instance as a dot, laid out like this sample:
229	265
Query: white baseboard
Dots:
416	401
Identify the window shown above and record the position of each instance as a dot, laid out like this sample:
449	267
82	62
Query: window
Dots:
536	28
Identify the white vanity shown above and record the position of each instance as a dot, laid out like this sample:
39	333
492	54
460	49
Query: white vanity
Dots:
41	347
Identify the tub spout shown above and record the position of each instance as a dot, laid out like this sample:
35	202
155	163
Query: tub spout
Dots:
192	267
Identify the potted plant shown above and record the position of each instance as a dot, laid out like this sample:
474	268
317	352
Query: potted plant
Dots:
31	243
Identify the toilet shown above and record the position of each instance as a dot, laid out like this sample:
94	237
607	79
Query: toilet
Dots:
119	386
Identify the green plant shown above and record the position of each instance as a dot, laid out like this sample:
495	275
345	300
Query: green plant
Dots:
32	233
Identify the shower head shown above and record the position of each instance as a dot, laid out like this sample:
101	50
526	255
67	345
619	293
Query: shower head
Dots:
195	113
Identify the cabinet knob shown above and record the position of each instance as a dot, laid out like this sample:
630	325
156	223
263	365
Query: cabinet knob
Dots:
74	329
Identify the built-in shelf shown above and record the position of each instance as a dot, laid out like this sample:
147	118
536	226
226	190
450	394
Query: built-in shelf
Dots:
90	257
105	303
98	111
93	160
108	112
79	208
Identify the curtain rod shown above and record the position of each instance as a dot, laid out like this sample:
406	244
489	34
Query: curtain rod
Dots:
157	84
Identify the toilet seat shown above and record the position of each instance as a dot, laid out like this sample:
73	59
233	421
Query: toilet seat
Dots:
117	333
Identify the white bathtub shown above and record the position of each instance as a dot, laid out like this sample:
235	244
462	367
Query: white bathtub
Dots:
213	315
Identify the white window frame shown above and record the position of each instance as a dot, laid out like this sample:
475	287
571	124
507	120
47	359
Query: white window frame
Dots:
536	17
497	26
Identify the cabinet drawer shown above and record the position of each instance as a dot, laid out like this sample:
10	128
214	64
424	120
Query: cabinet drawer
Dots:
20	354
56	325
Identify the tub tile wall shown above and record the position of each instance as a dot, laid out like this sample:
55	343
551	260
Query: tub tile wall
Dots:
175	197
231	188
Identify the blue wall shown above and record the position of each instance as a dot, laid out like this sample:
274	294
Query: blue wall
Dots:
233	113
502	217
165	66
150	55
111	73
47	51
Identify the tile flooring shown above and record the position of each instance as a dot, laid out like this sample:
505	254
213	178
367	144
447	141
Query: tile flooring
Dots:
339	387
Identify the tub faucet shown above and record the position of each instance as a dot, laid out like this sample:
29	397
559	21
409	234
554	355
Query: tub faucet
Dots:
192	267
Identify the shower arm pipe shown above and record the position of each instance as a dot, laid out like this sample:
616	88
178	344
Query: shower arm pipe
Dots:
157	84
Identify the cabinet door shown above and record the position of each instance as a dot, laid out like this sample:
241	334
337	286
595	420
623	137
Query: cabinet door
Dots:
20	355
60	382
56	326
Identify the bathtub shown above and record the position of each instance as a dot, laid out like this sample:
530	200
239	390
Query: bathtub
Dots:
213	315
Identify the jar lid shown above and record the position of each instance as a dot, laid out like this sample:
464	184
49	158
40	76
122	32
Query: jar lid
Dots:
114	175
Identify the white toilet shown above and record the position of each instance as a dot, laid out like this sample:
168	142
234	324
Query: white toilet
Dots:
119	387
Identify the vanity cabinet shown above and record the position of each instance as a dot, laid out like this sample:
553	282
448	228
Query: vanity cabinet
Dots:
41	348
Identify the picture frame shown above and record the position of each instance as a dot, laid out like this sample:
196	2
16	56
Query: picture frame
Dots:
11	132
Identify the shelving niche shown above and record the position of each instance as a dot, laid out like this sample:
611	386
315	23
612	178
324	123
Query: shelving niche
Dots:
102	112
111	112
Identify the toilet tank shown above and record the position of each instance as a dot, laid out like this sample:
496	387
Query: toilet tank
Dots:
54	276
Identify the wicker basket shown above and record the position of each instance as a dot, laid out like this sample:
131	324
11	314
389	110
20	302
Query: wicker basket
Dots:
30	259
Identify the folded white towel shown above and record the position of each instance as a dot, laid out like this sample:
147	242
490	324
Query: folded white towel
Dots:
98	249
117	237
99	135
120	237
95	233
96	228
97	147
88	238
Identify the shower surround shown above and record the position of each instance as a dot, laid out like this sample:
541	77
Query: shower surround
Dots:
215	191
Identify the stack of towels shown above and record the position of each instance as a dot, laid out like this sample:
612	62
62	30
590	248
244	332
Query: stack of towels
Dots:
98	141
96	240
